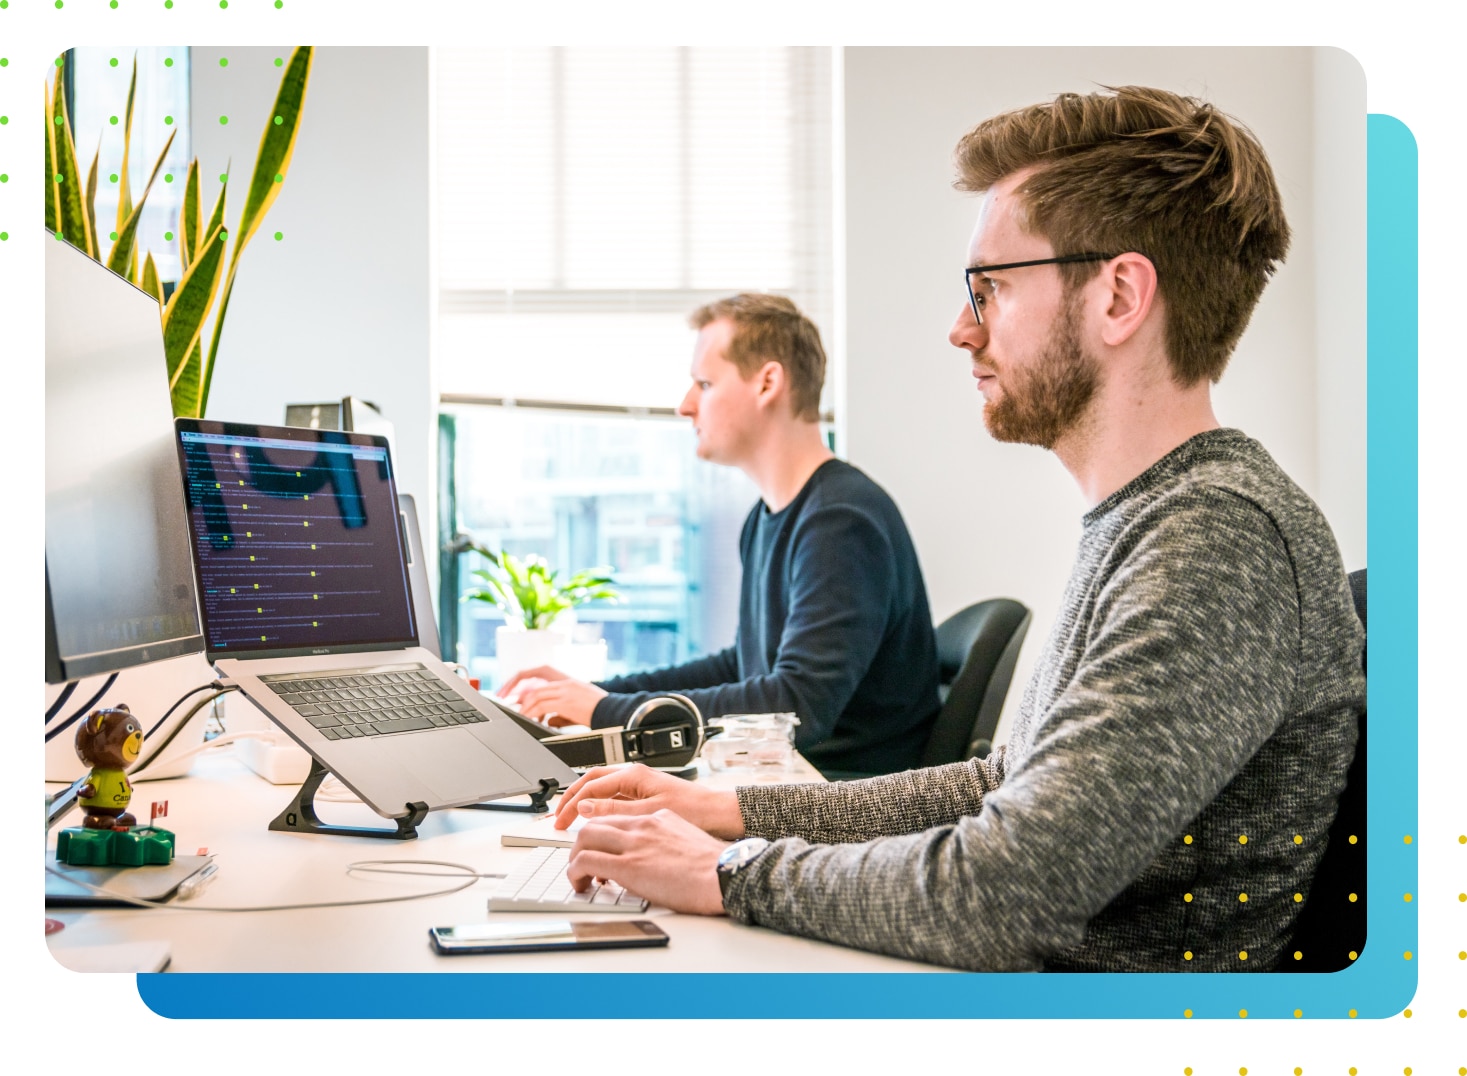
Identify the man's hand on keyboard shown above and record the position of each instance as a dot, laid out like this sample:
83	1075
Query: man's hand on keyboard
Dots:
659	856
547	694
638	790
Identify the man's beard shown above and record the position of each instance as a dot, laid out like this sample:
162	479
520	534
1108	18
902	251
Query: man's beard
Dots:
1042	403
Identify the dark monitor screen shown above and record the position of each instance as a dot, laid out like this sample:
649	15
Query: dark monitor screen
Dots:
297	539
119	582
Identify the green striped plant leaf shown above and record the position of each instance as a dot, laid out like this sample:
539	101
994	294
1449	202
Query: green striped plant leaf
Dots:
277	145
183	322
150	282
189	231
89	203
53	197
124	190
123	258
71	218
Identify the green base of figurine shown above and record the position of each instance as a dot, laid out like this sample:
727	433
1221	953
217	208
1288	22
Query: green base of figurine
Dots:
137	847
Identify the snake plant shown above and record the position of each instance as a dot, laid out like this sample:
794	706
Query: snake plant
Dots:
209	262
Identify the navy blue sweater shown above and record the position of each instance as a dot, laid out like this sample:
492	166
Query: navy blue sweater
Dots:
833	626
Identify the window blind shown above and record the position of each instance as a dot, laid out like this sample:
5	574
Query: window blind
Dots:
590	198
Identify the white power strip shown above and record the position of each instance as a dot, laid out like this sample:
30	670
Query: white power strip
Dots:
276	759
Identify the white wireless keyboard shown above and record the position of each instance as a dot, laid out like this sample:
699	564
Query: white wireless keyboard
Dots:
539	884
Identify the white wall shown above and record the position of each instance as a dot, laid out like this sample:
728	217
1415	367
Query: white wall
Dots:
1002	520
341	305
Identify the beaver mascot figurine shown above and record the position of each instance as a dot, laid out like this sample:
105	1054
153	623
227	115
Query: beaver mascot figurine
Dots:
108	741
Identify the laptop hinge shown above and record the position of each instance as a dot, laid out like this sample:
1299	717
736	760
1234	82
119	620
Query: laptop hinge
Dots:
300	816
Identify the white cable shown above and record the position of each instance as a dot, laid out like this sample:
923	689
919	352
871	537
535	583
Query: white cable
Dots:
469	875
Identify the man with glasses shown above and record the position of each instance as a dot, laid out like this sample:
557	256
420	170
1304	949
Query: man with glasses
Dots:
1166	793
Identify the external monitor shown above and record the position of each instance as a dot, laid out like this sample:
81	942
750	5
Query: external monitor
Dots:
119	578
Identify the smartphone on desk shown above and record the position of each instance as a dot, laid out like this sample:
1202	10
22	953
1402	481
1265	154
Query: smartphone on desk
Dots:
546	934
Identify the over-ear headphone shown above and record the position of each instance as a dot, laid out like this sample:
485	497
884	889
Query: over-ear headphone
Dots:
669	709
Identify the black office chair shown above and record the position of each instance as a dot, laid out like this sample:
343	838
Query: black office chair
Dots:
977	649
1331	925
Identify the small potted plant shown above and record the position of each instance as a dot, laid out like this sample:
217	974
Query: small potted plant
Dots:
539	608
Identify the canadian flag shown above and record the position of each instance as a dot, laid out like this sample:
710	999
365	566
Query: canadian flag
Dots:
160	810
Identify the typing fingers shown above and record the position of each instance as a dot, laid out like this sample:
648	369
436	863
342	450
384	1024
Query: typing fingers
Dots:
604	782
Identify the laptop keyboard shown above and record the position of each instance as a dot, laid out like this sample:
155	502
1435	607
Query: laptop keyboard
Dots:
539	884
385	699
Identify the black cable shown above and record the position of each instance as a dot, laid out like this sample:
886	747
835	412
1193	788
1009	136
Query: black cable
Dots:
83	711
55	707
192	691
183	724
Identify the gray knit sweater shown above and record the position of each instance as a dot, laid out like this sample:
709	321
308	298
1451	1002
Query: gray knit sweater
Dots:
1164	797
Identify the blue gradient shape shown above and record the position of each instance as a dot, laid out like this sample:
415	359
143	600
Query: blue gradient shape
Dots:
1379	984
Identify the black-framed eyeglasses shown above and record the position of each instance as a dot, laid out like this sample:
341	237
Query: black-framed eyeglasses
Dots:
979	297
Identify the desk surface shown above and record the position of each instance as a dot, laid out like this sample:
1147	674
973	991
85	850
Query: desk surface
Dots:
224	808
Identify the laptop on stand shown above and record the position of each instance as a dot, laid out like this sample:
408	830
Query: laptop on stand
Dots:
299	552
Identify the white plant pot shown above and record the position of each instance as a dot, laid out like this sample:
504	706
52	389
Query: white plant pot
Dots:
519	649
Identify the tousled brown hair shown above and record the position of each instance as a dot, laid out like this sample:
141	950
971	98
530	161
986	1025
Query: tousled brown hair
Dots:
1145	170
771	327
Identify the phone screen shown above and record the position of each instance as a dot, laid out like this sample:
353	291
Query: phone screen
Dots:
523	936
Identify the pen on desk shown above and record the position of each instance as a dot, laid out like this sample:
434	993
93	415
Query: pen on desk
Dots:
191	886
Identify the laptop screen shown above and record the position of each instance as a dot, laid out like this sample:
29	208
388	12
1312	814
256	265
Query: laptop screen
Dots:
296	538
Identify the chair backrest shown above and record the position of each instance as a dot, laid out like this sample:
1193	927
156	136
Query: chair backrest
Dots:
977	649
1331	926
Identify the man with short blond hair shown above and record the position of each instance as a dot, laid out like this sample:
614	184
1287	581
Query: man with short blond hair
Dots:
1168	787
833	618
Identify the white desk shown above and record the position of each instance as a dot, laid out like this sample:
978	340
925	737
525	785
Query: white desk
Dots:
224	807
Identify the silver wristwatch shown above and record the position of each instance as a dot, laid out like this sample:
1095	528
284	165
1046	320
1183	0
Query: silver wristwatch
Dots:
736	857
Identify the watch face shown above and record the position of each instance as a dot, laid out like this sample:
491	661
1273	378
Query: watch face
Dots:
737	855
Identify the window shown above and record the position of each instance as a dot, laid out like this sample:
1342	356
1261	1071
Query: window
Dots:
588	200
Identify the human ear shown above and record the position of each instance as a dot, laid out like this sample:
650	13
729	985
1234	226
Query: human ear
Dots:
769	382
1131	283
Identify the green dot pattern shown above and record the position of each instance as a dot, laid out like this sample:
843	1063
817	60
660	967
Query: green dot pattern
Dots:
113	237
112	120
168	61
112	62
4	120
4	178
4	62
278	235
168	3
223	61
167	177
279	62
168	120
223	177
4	235
112	178
168	236
223	120
279	120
